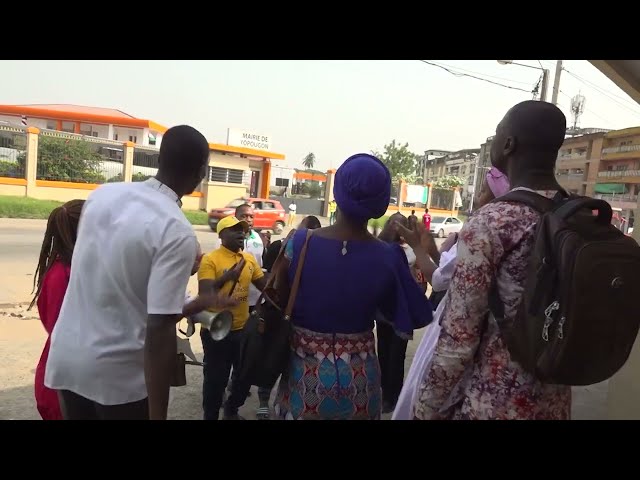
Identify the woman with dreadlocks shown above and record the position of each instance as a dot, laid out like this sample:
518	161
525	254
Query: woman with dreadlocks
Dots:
50	284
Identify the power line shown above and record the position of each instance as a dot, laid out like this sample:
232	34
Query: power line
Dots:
481	73
457	74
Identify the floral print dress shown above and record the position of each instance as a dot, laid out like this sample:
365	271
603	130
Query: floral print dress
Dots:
471	375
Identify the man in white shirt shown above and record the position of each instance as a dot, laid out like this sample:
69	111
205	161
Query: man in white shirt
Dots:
292	214
253	244
113	349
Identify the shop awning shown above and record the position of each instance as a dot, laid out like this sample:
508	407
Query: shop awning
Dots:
610	188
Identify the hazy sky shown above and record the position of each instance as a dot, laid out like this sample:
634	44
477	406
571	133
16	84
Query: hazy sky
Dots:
330	108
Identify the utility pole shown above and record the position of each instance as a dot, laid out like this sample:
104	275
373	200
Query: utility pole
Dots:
556	83
475	180
545	83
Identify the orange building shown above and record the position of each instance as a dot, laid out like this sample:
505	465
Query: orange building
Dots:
129	148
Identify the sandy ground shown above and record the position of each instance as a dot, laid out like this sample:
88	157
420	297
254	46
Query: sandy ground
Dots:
22	338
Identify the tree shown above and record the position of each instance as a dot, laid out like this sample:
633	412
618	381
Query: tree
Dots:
67	160
448	182
399	160
309	161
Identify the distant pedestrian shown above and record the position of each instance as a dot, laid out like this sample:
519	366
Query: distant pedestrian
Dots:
333	206
426	220
291	220
412	219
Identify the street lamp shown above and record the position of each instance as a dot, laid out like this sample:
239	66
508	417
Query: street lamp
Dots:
545	76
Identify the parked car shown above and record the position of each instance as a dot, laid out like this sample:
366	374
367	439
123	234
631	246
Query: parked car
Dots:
269	214
443	226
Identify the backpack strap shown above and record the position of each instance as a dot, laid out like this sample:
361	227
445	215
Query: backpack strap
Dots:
575	204
540	204
531	199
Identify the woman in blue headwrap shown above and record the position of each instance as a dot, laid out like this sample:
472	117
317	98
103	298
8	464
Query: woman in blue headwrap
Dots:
347	276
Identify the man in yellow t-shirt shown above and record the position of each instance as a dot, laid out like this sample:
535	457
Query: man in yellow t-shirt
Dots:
333	206
228	263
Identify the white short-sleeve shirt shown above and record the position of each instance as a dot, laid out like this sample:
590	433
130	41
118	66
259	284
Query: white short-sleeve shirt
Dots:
254	245
133	257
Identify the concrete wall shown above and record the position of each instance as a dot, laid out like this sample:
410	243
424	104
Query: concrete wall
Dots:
229	161
219	194
406	211
192	203
60	194
14	190
304	206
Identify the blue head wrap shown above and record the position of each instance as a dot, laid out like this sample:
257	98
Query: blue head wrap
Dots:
362	187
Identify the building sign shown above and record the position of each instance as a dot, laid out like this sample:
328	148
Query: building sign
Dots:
242	138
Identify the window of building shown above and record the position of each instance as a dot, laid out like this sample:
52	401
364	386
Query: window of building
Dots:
133	138
115	136
69	127
225	175
52	125
86	129
282	182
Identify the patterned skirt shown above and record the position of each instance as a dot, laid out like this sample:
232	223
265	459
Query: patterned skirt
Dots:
330	377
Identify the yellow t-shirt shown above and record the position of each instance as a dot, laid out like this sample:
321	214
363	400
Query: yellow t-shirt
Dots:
332	207
216	263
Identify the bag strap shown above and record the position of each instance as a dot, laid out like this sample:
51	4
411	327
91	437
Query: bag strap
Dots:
235	282
276	263
531	199
296	280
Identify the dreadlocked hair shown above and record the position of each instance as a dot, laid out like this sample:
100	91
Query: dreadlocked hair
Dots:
58	243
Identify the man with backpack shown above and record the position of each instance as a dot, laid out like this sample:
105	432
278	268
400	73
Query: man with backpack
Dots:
472	375
542	291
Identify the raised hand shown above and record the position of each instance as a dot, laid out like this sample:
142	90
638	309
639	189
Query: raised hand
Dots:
234	272
418	237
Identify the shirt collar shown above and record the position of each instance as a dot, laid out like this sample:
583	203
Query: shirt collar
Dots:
229	252
162	188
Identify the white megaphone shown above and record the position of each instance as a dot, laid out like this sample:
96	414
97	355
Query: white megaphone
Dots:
218	323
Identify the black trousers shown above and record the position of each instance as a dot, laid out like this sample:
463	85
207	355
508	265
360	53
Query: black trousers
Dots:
219	357
76	407
392	351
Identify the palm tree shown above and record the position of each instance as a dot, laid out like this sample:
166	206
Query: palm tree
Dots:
309	161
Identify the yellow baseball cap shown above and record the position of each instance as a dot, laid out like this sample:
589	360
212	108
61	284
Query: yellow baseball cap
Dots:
228	222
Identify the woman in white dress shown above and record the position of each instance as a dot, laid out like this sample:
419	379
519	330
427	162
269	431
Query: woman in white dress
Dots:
495	185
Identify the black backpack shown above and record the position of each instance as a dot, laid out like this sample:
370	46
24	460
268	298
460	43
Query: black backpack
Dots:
578	318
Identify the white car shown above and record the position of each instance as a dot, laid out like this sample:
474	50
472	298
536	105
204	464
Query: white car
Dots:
443	226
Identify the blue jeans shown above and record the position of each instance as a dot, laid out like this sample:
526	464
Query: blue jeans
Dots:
219	356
